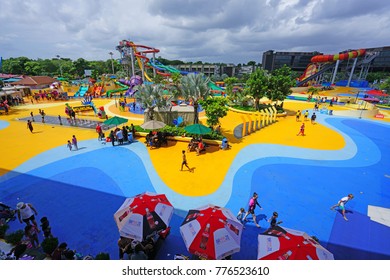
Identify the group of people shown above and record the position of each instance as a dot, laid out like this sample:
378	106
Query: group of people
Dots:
26	213
242	215
124	135
155	139
196	144
136	250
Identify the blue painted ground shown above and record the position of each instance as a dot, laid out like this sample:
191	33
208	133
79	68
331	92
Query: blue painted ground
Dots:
80	191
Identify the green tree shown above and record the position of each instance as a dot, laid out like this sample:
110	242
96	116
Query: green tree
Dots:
229	83
195	87
79	66
385	85
33	68
14	65
313	90
280	83
215	108
257	85
151	97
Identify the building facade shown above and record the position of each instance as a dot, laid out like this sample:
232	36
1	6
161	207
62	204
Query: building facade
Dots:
298	61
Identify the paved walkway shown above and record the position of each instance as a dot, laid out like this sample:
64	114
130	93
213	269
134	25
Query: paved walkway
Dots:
300	177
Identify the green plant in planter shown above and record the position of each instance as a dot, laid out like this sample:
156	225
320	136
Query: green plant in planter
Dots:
14	237
3	230
49	245
102	256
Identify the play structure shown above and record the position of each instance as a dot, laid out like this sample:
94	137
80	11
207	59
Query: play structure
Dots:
87	105
134	81
321	64
131	52
82	91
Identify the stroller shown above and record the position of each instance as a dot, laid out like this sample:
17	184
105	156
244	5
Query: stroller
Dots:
6	214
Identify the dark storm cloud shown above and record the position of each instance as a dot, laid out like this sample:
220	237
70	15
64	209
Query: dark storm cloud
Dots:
190	30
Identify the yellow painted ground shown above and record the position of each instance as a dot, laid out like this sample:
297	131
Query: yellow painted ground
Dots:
18	144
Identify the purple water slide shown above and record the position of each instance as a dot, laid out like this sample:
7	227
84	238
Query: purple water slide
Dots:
134	81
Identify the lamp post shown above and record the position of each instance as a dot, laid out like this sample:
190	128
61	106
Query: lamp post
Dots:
112	62
59	57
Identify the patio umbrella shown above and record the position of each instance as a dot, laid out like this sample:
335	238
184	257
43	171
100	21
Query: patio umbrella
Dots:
376	92
153	124
115	121
197	129
279	243
211	232
143	215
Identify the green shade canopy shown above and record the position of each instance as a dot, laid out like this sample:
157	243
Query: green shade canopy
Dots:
197	129
115	121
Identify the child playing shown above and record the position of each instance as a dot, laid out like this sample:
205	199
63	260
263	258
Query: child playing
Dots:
46	228
273	220
240	215
69	145
31	233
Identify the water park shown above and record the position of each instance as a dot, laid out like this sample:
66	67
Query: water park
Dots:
128	184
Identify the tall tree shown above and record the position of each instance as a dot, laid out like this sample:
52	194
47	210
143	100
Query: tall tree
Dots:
257	85
194	87
151	97
280	83
215	108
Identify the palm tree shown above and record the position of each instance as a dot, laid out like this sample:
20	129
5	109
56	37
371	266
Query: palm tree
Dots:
150	97
195	87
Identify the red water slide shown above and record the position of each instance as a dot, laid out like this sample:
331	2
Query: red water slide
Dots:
335	57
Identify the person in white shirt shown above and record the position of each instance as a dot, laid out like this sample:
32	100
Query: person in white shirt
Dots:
341	204
26	213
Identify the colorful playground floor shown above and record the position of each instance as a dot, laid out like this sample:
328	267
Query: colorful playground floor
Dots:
299	177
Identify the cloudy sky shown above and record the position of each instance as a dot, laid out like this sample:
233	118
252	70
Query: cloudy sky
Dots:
229	31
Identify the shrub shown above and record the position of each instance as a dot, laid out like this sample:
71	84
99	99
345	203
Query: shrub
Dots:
49	245
180	131
102	256
14	237
3	230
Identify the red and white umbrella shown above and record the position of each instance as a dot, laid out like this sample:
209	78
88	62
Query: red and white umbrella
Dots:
143	215
279	243
211	232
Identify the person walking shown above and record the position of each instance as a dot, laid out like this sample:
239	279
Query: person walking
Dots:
69	145
112	138
302	130
30	126
251	209
313	118
306	115
298	115
74	142
184	162
99	131
43	114
341	204
26	213
273	220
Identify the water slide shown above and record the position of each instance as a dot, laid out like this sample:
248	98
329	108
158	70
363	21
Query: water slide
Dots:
311	71
121	88
81	92
134	81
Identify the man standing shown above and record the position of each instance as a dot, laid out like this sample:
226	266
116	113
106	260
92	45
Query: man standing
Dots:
30	126
26	213
251	209
341	204
74	142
